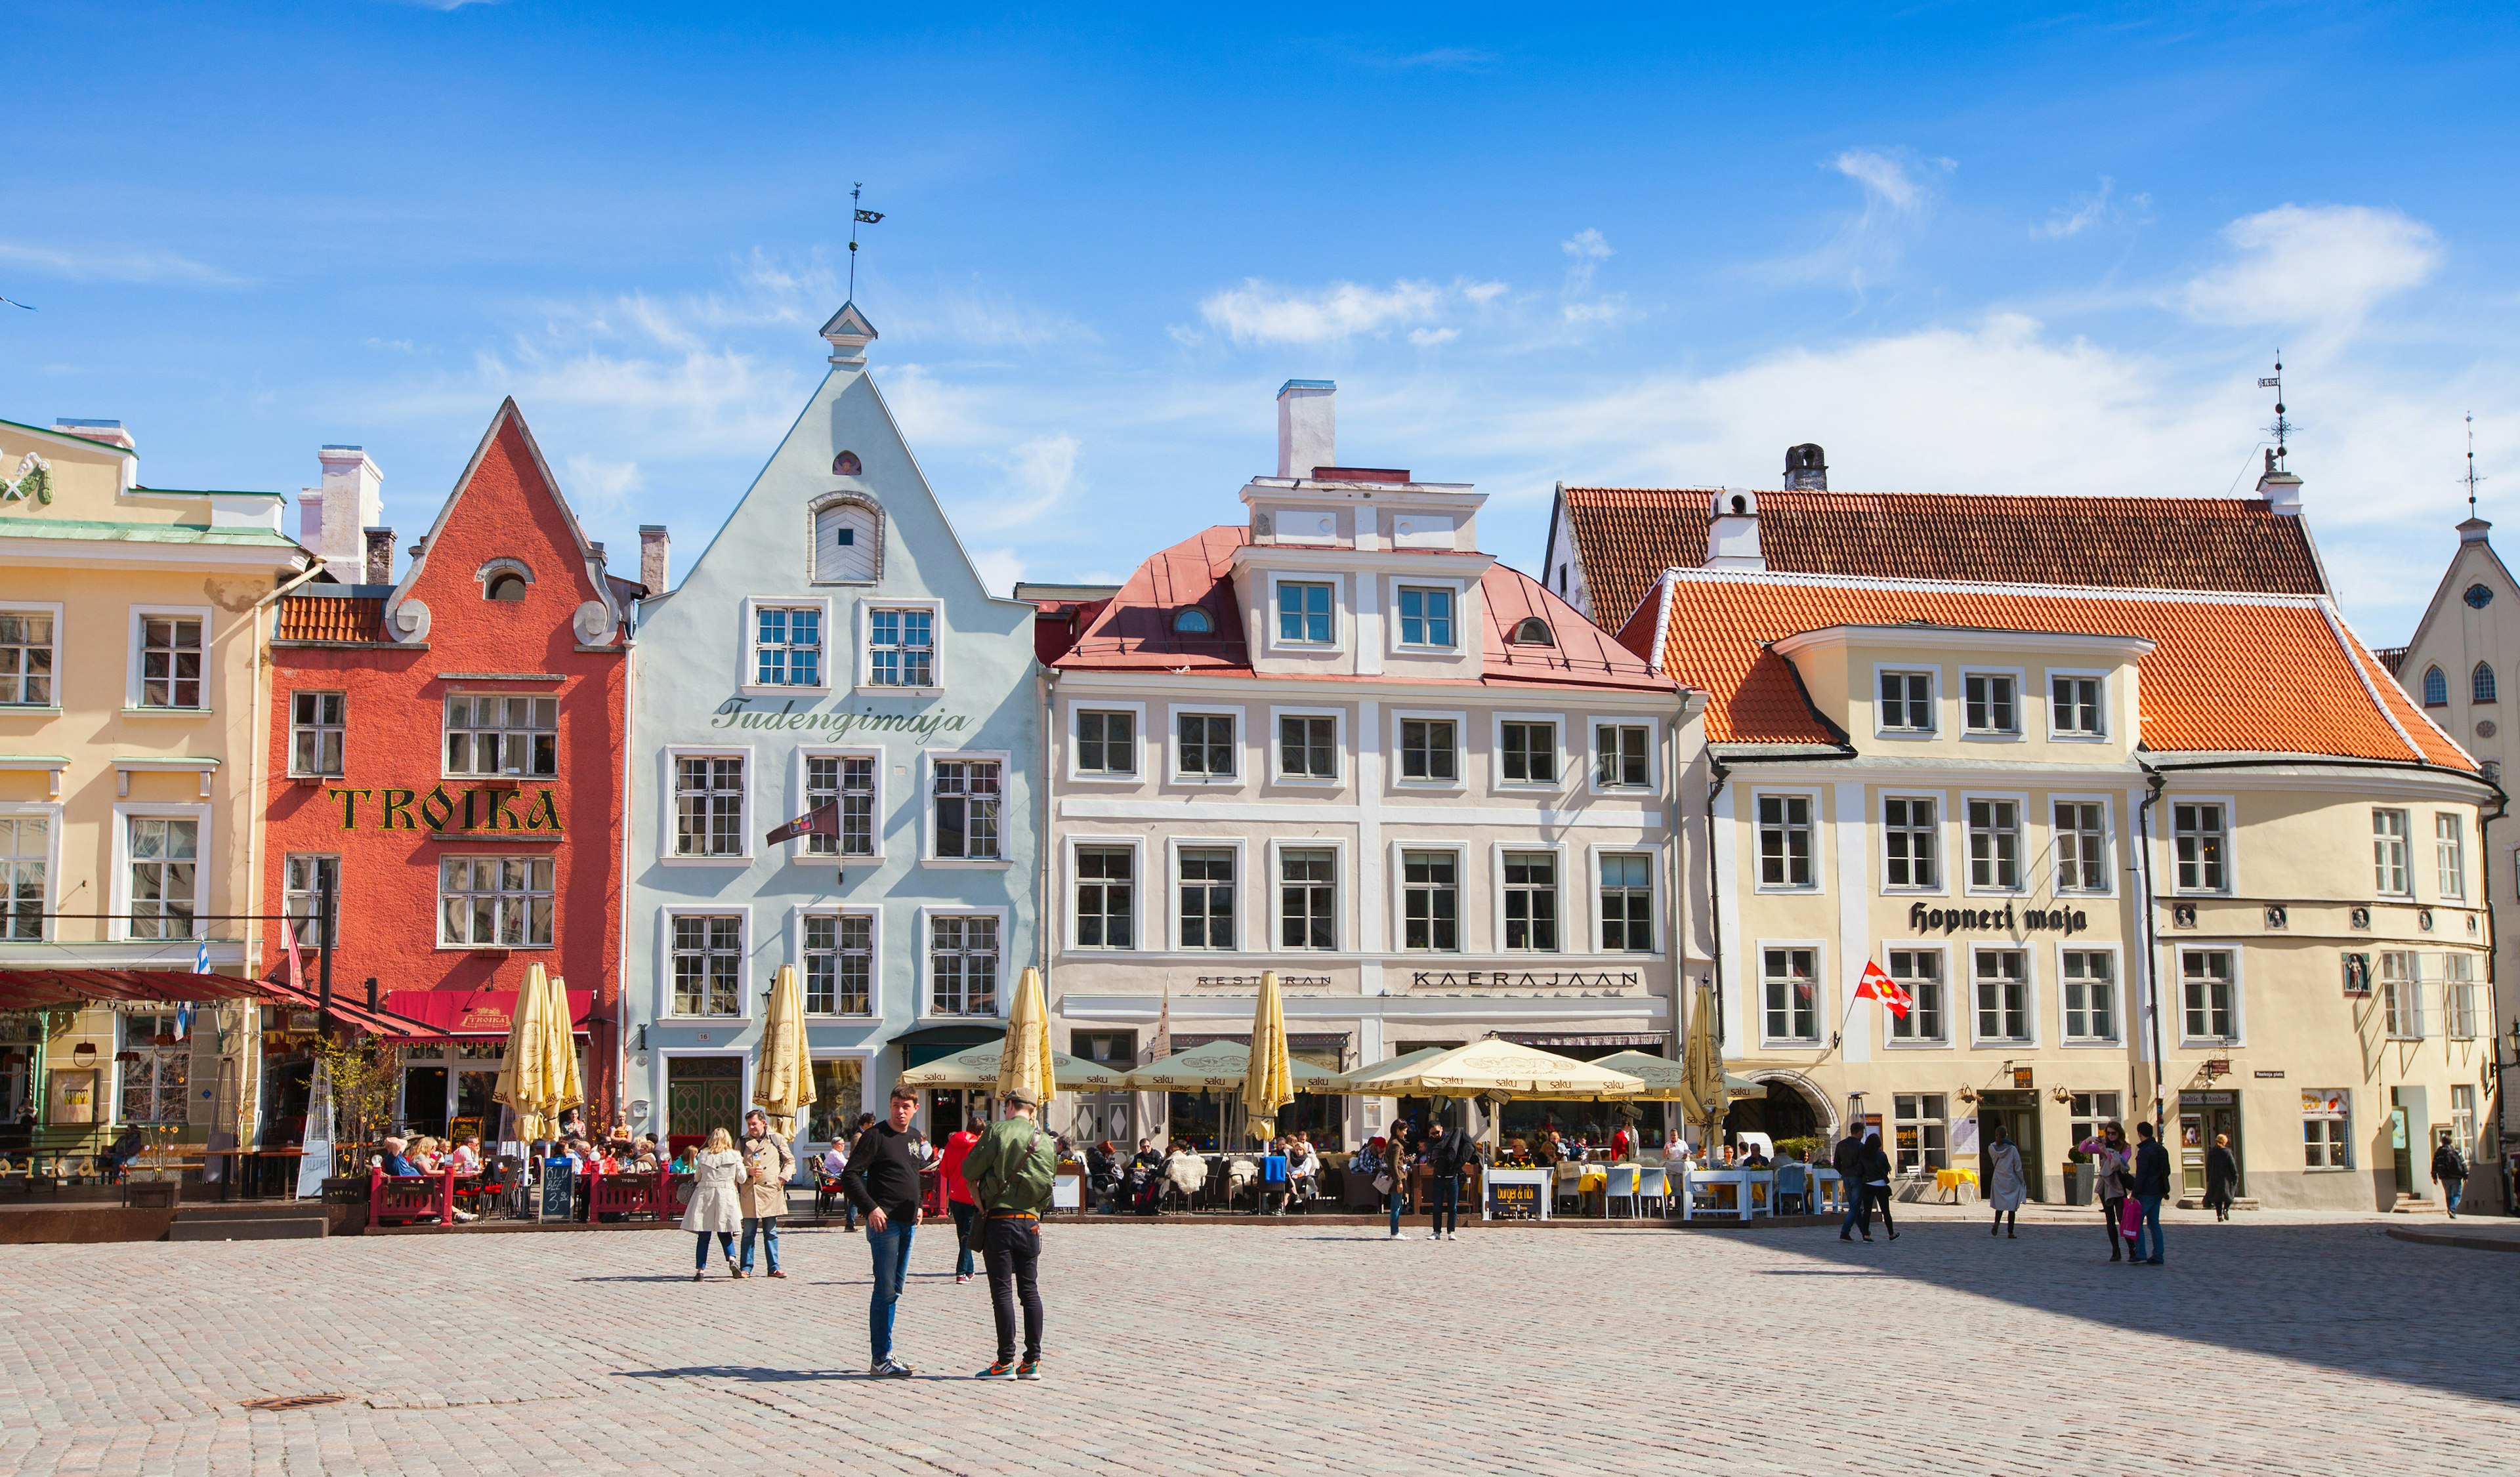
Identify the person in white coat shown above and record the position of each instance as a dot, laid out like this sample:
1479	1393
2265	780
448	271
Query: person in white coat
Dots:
2008	1186
715	1207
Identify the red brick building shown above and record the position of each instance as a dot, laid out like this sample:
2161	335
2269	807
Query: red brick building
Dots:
448	747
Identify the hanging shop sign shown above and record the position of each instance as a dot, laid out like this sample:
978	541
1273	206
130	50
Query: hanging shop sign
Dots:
2007	919
482	808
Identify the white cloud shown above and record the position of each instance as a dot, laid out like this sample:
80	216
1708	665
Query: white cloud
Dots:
1258	313
1000	569
1041	478
1864	247
116	264
1430	338
1886	178
2088	210
2313	264
596	488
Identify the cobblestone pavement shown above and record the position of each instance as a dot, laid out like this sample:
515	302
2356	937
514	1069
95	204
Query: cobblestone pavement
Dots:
2277	1347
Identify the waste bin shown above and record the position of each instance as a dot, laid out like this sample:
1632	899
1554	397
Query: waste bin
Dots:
2078	1183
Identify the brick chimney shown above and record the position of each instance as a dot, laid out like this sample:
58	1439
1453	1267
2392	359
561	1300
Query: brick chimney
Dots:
379	570
652	557
1307	427
1806	469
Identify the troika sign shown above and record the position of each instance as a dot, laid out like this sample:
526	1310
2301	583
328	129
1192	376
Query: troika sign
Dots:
2066	921
488	807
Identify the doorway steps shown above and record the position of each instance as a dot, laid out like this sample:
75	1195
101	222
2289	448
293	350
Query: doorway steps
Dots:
2415	1205
265	1220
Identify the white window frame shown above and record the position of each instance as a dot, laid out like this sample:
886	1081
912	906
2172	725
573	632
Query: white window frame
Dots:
1593	723
2401	998
2449	857
1342	629
1557	850
2405	841
1077	709
796	917
49	812
1175	712
1942	824
1459	720
131	658
1073	877
437	897
1174	846
303	921
2048	699
2029	993
748	680
1341	914
1462	626
320	728
119	927
1397	884
798	852
1821	994
670	813
1340	755
1007	808
2109	887
2344	1136
52	609
1496	753
1657	891
2459	1015
2231	850
865	684
2116	1038
922	968
2239	994
474	695
1933	676
1759	842
2022	854
744	971
1941	950
2020	728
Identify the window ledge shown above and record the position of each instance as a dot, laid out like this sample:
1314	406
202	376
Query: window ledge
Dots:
703	1020
2091	1044
1781	889
833	859
1896	1045
486	948
139	712
972	864
879	690
29	710
757	689
1101	778
671	860
1439	786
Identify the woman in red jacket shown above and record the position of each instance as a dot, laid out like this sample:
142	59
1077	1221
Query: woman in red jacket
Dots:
958	1191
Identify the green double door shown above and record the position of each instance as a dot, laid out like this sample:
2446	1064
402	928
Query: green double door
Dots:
702	1093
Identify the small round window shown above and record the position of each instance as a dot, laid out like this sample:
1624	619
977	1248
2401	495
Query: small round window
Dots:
1533	632
508	587
2478	596
846	465
1190	620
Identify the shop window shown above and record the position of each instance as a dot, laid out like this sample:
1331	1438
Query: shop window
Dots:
1785	841
1429	749
839	1087
2389	854
154	1065
1919	972
1106	897
2200	837
315	732
1106	744
1206	746
1920	1123
1790	983
2091	995
840	964
495	734
2081	846
165	876
1627	902
494	901
901	648
709	805
849	779
26	658
1307	747
1308	898
2087	1112
2463	1120
2003	980
1431	901
170	661
1528	752
963	963
1911	844
965	799
303	877
2326	1140
708	964
1531	901
1206	898
26	855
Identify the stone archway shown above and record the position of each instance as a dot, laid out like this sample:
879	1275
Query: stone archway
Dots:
1794	1108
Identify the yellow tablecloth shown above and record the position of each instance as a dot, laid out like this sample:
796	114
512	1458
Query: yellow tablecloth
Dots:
1949	1181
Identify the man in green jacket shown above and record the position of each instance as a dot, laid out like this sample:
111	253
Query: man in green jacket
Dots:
1010	1172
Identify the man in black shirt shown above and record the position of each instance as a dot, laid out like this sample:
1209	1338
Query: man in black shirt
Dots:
883	1180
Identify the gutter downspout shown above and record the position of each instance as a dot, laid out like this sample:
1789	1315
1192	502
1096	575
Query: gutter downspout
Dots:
621	929
2154	783
259	716
2493	998
1718	772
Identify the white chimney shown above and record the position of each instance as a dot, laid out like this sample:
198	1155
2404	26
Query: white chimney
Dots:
333	519
2280	488
1307	427
1732	530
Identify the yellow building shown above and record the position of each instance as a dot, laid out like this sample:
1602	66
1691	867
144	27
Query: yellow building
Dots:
131	715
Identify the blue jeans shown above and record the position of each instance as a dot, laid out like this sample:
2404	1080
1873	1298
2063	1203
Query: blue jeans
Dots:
699	1252
2152	1224
966	1230
891	1248
1398	1198
1858	1209
768	1228
2452	1189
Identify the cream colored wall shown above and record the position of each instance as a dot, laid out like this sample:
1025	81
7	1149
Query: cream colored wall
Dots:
1841	679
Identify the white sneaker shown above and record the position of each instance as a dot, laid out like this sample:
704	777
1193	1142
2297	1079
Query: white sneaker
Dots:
1452	1235
1400	1235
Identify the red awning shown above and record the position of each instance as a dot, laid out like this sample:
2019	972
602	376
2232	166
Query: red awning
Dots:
38	989
351	1011
477	1013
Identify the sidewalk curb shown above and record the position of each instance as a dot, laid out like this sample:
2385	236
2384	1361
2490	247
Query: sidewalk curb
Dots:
2454	1238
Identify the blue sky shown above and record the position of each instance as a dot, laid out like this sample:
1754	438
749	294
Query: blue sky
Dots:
1964	246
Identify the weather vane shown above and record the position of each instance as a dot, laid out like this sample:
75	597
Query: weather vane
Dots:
2281	431
2471	479
858	215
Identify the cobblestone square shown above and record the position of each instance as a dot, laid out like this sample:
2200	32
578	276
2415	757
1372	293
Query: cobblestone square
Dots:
2261	1347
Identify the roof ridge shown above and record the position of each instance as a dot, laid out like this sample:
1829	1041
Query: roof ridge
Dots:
2122	593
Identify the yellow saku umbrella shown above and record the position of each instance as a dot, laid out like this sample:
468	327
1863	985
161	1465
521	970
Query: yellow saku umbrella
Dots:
559	1045
978	1067
783	1082
1221	1066
1489	1068
1704	1092
1024	1062
523	1085
1347	1082
1267	1078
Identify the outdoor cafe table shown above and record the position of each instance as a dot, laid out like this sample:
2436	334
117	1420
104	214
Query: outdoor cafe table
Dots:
1749	1186
1949	1182
1537	1180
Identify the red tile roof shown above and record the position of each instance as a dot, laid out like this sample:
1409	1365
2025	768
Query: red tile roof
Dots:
325	618
2249	674
1627	536
1133	631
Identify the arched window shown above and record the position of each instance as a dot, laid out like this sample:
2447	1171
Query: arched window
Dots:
1190	620
509	587
849	540
2436	689
1533	632
2479	684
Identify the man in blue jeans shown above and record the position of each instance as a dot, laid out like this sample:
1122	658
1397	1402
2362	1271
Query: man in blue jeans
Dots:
2151	1187
883	1180
1848	1161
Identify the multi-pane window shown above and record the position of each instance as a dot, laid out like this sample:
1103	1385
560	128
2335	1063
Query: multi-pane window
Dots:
1308	748
2480	682
2003	994
1991	703
2081	846
26	852
2436	689
708	964
2091	995
2458	994
1908	702
1106	897
1527	753
2389	853
1623	755
25	658
154	1072
2087	1113
494	901
170	661
967	796
1308	898
2324	1121
165	856
2074	707
1995	845
1918	972
1784	841
488	735
901	648
2462	1119
1431	898
840	964
1106	744
1627	902
2402	995
315	733
1922	1124
1425	616
2209	1002
1911	851
1790	985
2450	855
1206	897
2200	835
1428	749
787	645
850	780
1531	901
1206	744
1303	612
305	878
963	963
709	806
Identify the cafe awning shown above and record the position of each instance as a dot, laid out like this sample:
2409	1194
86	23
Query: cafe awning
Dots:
351	1011
482	1013
44	989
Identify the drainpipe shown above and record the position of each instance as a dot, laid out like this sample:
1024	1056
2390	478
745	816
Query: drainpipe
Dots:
1718	774
2154	783
2484	891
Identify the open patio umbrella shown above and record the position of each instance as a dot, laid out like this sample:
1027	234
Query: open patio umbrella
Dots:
1267	1078
1705	1092
784	1083
978	1067
1667	1081
1025	1060
1221	1066
1491	1068
523	1083
1346	1082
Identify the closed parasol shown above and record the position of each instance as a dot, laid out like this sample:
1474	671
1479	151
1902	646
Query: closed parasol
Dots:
1025	1060
526	1081
1267	1078
1705	1092
784	1083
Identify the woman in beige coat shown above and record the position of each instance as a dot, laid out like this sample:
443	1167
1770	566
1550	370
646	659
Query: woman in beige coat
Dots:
768	1165
714	1208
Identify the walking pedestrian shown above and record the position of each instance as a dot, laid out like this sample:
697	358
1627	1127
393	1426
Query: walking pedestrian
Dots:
1393	1181
2222	1177
849	1207
768	1165
2151	1187
1011	1171
715	1210
2111	1183
958	1196
1877	1183
2449	1170
2006	1187
1848	1161
883	1180
1448	1154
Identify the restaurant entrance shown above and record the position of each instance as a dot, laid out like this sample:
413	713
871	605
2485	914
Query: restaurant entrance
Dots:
703	1093
2017	1113
2201	1116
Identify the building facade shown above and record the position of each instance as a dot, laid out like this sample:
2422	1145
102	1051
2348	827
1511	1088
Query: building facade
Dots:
833	642
1337	741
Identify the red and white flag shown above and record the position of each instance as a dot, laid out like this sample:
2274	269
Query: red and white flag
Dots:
1877	984
297	972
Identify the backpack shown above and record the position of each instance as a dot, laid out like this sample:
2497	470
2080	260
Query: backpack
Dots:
1017	1180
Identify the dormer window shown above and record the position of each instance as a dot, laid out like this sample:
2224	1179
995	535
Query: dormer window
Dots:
849	540
507	587
1304	612
1190	620
1533	631
2436	689
1425	616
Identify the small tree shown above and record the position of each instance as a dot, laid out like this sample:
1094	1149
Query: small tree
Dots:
365	1074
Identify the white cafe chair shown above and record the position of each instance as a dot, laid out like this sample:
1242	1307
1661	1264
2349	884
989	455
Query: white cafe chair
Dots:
1621	1186
1654	1186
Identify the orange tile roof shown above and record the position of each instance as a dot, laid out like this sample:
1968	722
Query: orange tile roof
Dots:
1627	536
326	617
2246	674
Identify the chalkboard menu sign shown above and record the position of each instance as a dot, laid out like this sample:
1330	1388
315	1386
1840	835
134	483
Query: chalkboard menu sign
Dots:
560	1180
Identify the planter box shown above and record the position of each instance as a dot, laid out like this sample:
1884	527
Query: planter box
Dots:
346	1189
154	1194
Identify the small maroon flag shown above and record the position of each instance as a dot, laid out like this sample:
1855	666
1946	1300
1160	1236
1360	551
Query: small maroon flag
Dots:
823	819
